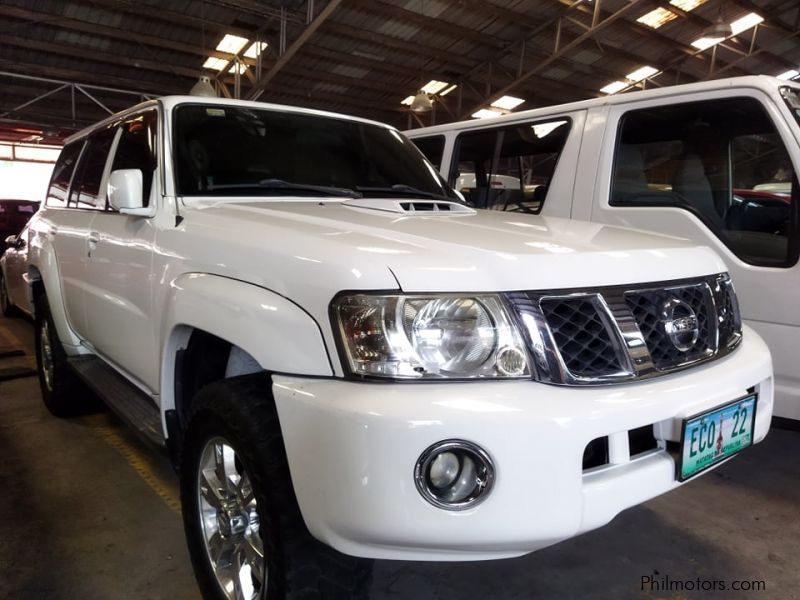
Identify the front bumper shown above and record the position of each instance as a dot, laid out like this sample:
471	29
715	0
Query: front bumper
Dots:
352	448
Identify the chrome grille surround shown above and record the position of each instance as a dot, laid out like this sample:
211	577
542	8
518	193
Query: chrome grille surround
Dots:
619	333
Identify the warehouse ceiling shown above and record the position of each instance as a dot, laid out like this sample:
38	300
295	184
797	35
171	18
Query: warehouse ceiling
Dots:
66	64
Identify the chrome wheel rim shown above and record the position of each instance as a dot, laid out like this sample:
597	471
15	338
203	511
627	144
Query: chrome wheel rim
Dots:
230	522
46	354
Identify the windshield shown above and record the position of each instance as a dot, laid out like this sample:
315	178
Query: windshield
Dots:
227	150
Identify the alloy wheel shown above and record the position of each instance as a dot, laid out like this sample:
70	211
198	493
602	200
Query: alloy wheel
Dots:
230	522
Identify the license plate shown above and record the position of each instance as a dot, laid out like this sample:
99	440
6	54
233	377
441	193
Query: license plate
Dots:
715	435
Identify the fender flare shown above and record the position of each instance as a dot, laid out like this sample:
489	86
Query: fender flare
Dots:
277	333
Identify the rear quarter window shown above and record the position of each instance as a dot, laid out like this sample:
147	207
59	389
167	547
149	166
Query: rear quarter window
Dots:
509	167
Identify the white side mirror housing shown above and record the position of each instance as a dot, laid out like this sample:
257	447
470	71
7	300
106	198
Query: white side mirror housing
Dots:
126	193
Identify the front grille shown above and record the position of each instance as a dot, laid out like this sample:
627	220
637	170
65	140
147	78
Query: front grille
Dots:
625	333
647	309
730	322
582	335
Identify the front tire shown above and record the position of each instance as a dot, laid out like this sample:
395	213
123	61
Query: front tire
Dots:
246	535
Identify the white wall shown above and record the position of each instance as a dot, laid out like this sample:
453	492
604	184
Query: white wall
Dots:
24	180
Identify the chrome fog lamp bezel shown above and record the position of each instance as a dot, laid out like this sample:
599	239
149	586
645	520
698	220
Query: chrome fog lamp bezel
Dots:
422	470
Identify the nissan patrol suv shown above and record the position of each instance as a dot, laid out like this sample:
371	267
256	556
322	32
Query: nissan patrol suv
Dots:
346	362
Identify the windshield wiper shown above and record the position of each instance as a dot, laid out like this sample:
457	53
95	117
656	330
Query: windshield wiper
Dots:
281	185
404	190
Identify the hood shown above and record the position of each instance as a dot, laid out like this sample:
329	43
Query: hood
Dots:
380	244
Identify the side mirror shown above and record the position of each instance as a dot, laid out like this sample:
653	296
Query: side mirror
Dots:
11	241
126	193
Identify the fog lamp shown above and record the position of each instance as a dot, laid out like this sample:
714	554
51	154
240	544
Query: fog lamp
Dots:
454	474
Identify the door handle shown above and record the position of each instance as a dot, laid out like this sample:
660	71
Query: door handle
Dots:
92	239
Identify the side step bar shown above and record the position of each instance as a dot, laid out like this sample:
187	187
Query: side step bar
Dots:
125	399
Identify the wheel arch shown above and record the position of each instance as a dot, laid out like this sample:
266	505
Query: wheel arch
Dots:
220	327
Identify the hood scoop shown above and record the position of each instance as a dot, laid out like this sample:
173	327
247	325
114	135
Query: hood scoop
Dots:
425	208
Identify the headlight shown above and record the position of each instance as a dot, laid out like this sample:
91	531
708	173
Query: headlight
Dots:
429	337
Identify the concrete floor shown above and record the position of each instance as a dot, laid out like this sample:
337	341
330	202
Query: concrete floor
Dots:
88	511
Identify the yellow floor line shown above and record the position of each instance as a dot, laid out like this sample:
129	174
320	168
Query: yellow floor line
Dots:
163	489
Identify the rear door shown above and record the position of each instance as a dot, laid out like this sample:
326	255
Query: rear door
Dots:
719	169
67	228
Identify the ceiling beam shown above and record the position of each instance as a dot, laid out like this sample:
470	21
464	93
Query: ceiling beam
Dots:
61	22
561	51
293	49
82	77
181	19
61	49
442	27
386	43
733	44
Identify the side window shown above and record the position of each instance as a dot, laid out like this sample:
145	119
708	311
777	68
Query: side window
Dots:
509	168
724	161
432	147
137	148
86	192
62	173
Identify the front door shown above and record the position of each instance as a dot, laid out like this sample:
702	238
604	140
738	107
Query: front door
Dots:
720	170
119	278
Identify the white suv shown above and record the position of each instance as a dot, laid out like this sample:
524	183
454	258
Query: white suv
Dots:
346	362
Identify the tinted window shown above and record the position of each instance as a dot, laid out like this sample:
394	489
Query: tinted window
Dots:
223	150
432	147
86	191
137	148
62	173
511	167
723	161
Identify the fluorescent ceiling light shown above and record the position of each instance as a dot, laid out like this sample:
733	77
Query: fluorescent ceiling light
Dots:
790	74
706	42
232	44
486	113
6	151
255	49
613	88
746	22
36	153
642	73
507	102
408	101
687	5
657	17
543	129
448	90
212	62
434	87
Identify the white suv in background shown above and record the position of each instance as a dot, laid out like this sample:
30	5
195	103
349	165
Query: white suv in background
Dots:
348	363
714	162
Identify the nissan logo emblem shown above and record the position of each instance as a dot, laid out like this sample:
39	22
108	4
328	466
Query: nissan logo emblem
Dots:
680	324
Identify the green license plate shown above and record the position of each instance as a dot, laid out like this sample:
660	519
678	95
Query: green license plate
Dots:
715	435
